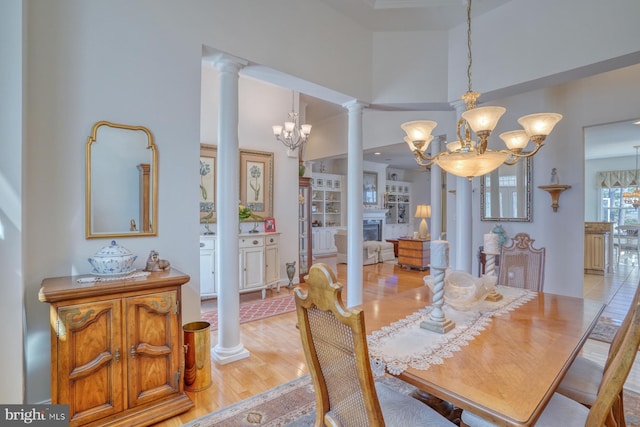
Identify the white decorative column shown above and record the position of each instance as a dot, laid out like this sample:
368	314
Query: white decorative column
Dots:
354	204
436	193
229	347
464	222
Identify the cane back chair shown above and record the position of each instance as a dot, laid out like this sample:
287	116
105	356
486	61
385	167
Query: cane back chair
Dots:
335	347
522	265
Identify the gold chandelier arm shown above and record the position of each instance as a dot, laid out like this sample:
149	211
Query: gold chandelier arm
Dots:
518	156
423	160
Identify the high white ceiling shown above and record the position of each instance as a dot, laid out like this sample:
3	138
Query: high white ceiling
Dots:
410	15
603	141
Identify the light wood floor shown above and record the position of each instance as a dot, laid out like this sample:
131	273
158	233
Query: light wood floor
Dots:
277	356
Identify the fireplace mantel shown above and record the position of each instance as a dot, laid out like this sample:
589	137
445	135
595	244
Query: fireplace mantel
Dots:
374	213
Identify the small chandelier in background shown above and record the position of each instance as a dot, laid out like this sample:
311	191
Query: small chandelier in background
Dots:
290	134
466	157
633	198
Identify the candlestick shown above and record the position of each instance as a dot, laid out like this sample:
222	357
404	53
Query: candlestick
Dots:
437	321
490	251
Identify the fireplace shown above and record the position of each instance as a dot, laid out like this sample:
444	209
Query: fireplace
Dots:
372	229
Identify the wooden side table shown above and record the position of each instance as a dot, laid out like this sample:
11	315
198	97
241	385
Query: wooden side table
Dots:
414	253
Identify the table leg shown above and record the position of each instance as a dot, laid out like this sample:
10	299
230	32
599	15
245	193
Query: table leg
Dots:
444	408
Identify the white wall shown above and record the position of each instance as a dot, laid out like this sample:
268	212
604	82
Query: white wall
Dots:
599	99
139	62
11	199
544	38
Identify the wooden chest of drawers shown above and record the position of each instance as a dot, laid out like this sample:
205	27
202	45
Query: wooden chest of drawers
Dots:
414	253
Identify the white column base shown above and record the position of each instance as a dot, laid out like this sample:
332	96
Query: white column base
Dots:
222	356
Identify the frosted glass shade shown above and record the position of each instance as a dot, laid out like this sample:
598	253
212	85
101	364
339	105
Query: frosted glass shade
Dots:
418	145
540	123
305	129
470	164
288	126
277	130
515	140
483	118
419	130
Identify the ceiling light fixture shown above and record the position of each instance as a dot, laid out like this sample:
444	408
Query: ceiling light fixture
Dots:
633	198
290	134
469	158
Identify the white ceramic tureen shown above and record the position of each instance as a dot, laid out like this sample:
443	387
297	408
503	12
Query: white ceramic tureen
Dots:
112	260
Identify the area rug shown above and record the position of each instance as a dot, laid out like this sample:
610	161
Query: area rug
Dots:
254	310
292	405
288	405
604	331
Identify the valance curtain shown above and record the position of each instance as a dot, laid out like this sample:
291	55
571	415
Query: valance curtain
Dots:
610	179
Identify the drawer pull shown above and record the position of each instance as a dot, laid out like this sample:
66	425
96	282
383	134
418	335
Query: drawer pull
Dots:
255	242
132	352
202	245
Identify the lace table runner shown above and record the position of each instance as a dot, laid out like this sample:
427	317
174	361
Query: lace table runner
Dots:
404	343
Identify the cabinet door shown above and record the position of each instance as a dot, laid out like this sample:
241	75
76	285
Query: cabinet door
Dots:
252	265
207	268
272	262
153	350
90	360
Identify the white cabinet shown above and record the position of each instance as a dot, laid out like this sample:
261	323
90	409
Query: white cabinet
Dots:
397	199
207	267
259	263
251	262
326	200
323	242
271	259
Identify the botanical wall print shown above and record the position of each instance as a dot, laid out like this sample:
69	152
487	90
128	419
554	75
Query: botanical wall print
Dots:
208	159
256	182
370	188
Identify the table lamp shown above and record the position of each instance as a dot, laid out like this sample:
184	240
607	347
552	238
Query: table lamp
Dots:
423	211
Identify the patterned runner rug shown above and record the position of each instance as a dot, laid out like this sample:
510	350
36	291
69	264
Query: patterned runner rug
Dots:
255	310
288	405
292	405
604	331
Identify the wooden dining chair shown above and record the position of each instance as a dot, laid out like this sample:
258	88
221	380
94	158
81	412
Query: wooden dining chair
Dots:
607	409
584	377
522	265
335	347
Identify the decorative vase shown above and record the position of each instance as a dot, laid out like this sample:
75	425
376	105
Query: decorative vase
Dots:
291	271
301	169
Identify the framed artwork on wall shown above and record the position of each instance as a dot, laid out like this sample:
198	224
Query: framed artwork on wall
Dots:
208	166
370	188
256	182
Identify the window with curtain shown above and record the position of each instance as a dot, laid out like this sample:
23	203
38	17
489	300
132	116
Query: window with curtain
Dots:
612	206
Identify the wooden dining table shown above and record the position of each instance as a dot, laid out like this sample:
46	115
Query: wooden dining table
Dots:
508	373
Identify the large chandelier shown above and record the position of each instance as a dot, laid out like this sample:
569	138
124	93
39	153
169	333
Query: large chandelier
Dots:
633	198
469	158
290	134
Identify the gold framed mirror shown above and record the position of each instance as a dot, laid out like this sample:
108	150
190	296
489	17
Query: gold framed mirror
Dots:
505	194
121	182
